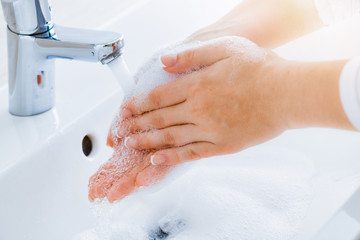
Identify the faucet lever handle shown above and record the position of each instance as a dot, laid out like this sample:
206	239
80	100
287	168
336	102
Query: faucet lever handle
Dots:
28	17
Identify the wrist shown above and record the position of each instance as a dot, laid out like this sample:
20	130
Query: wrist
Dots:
311	95
275	75
272	23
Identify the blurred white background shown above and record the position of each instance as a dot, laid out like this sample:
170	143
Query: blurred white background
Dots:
115	15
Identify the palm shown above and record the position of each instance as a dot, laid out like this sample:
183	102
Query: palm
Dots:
126	170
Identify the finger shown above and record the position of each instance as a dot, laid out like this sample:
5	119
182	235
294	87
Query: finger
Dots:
99	188
162	96
125	185
102	181
109	140
122	188
168	137
194	58
158	119
97	191
191	152
113	171
112	139
152	175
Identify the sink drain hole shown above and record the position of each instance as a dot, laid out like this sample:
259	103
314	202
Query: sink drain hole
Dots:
87	145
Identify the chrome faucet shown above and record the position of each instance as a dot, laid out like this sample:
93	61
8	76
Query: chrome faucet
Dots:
33	44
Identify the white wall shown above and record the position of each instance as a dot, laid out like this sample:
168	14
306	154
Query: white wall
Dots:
3	56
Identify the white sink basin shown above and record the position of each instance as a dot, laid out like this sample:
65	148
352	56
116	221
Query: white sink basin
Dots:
44	173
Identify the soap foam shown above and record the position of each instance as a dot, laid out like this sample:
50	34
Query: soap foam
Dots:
260	194
151	74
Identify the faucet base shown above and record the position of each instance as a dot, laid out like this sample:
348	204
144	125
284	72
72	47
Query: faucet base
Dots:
31	77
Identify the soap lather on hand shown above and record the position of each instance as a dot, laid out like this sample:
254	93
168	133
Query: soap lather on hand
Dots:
133	164
129	169
120	176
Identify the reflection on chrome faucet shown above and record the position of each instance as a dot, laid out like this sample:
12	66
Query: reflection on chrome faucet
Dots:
33	43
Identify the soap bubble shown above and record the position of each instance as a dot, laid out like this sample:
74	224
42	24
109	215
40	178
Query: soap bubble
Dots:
255	194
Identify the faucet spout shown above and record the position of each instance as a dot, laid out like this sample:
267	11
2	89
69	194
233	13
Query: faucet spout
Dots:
83	45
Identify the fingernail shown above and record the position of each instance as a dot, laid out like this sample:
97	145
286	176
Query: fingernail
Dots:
125	113
168	60
157	159
126	142
131	142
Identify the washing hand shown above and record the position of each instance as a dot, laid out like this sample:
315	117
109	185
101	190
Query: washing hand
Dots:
239	98
231	103
119	176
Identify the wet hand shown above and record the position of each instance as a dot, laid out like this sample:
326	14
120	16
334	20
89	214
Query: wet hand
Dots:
124	173
230	104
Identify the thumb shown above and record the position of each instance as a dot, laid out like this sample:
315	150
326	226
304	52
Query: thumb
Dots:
109	140
194	58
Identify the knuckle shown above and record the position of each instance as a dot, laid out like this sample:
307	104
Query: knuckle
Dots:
189	57
143	141
177	156
125	128
192	154
143	122
169	138
132	124
154	99
158	121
